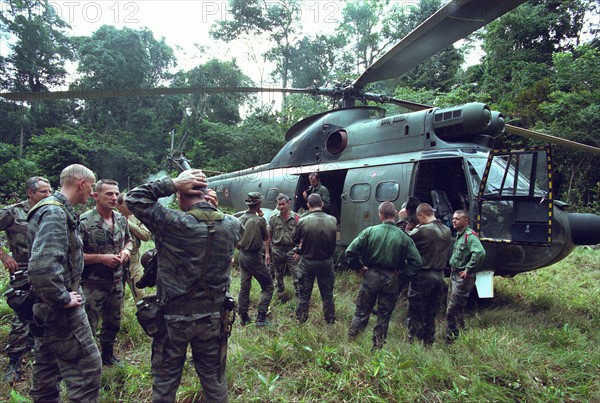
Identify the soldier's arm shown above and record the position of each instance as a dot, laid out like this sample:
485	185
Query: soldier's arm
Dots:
413	259
325	196
125	253
142	201
297	233
140	231
7	218
477	254
354	251
49	251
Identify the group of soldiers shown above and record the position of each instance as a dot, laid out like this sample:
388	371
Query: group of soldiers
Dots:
75	267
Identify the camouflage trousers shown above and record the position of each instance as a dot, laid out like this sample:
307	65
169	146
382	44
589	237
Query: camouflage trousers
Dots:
20	341
104	301
383	287
458	294
283	257
424	294
66	349
252	264
136	271
169	355
322	270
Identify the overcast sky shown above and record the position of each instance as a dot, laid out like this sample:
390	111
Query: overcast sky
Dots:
185	24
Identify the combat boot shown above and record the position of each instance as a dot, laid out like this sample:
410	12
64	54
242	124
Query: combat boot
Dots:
261	320
108	357
244	319
13	371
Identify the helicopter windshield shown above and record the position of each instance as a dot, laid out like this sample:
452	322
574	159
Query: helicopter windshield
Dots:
511	175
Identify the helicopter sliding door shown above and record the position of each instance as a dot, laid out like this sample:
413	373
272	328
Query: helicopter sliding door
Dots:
364	190
515	197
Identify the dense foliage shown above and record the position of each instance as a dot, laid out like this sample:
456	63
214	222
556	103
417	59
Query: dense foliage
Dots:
539	67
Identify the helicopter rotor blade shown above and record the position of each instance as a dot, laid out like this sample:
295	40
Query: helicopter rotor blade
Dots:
411	106
519	131
455	21
138	92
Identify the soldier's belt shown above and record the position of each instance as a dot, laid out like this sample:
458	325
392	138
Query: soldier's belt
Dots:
192	307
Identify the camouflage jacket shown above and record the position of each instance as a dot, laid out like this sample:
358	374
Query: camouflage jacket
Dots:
316	231
181	242
13	220
55	250
386	247
98	238
281	230
255	232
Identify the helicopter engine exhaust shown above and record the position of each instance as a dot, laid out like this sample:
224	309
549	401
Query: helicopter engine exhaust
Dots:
585	228
467	120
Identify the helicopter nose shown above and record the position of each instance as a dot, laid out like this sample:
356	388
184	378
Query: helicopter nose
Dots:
585	228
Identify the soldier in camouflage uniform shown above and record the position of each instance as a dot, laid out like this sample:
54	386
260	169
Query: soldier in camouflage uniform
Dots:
316	233
251	261
281	226
195	248
13	220
385	256
139	233
433	240
64	346
106	248
467	257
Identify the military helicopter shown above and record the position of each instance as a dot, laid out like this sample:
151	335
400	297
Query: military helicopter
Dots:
441	156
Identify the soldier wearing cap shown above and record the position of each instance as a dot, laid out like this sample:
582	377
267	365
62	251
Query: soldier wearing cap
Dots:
251	262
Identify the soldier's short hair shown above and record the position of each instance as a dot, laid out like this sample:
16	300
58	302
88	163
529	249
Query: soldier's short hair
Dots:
283	196
425	209
464	213
387	209
32	183
101	182
75	172
315	175
314	200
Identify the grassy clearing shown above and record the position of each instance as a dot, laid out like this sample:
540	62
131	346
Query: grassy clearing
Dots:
537	340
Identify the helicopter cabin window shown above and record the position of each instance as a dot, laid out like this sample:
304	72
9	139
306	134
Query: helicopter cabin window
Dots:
271	196
387	191
360	192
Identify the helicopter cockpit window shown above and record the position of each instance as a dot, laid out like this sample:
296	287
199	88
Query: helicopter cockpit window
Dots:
510	176
387	191
360	192
271	195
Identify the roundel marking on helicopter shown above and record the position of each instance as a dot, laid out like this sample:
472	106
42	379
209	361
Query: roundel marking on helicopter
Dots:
226	192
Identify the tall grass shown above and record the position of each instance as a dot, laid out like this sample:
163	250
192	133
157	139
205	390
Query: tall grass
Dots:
537	340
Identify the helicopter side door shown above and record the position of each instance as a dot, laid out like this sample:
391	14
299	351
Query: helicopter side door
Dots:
516	197
364	189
